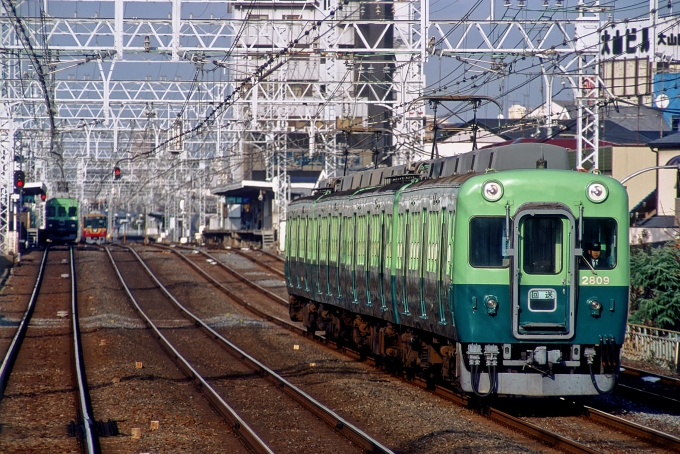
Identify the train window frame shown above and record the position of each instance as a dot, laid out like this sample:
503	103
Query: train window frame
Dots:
416	239
501	221
387	251
361	240
376	240
588	237
558	246
401	240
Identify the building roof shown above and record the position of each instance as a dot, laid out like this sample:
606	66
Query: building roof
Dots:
658	222
625	125
669	141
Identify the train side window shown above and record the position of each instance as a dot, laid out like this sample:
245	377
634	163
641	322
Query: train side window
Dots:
487	242
388	241
376	240
72	211
332	250
303	239
401	238
361	240
416	238
51	212
603	232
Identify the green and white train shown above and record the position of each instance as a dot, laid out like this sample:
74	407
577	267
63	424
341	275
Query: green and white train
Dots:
470	269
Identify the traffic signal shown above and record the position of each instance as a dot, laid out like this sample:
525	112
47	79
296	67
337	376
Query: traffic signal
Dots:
116	173
43	196
19	180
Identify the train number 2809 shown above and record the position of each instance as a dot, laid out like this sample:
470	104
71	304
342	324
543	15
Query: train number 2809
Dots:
594	280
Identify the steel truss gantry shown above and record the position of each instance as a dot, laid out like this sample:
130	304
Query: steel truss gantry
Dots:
552	42
133	83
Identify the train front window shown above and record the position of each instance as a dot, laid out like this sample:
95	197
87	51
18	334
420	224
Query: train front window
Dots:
50	212
95	223
487	242
599	233
61	211
72	211
542	245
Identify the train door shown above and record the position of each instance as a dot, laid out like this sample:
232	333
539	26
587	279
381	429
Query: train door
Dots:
543	274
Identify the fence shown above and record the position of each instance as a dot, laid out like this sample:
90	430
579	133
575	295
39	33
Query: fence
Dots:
645	343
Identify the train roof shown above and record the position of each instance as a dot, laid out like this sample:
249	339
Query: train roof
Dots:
62	201
507	157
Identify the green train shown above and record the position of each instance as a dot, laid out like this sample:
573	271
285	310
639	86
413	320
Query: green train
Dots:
61	220
477	269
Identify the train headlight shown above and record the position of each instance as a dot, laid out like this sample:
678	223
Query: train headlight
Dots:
491	303
597	192
492	191
595	307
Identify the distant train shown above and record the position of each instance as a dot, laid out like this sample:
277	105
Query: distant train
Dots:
61	220
471	269
94	227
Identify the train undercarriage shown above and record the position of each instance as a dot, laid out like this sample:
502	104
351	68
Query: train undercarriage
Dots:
521	369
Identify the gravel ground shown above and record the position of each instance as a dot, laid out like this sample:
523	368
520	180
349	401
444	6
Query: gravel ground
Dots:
403	417
114	341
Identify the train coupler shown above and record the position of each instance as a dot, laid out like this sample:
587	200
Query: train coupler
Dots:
474	352
589	353
491	355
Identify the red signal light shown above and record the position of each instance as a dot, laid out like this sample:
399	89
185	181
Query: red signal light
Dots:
43	197
116	173
19	178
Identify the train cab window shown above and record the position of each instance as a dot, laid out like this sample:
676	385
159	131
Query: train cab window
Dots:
61	211
542	245
487	242
72	211
599	233
51	212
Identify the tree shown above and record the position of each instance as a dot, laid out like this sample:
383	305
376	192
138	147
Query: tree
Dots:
655	285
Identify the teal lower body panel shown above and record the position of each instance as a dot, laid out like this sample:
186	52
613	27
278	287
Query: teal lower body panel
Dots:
476	325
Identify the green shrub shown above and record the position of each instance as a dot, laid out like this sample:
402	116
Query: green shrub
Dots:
655	285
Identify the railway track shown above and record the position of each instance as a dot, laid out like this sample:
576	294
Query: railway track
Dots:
47	338
650	387
550	438
257	375
264	259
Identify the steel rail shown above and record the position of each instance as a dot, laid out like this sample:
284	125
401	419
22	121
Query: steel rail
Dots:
91	440
275	256
259	263
655	436
665	379
241	301
15	345
240	253
238	275
325	414
531	430
238	425
647	396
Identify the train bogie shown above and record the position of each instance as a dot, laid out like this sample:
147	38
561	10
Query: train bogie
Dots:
476	278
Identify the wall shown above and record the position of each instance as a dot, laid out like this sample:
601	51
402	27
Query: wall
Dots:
627	160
